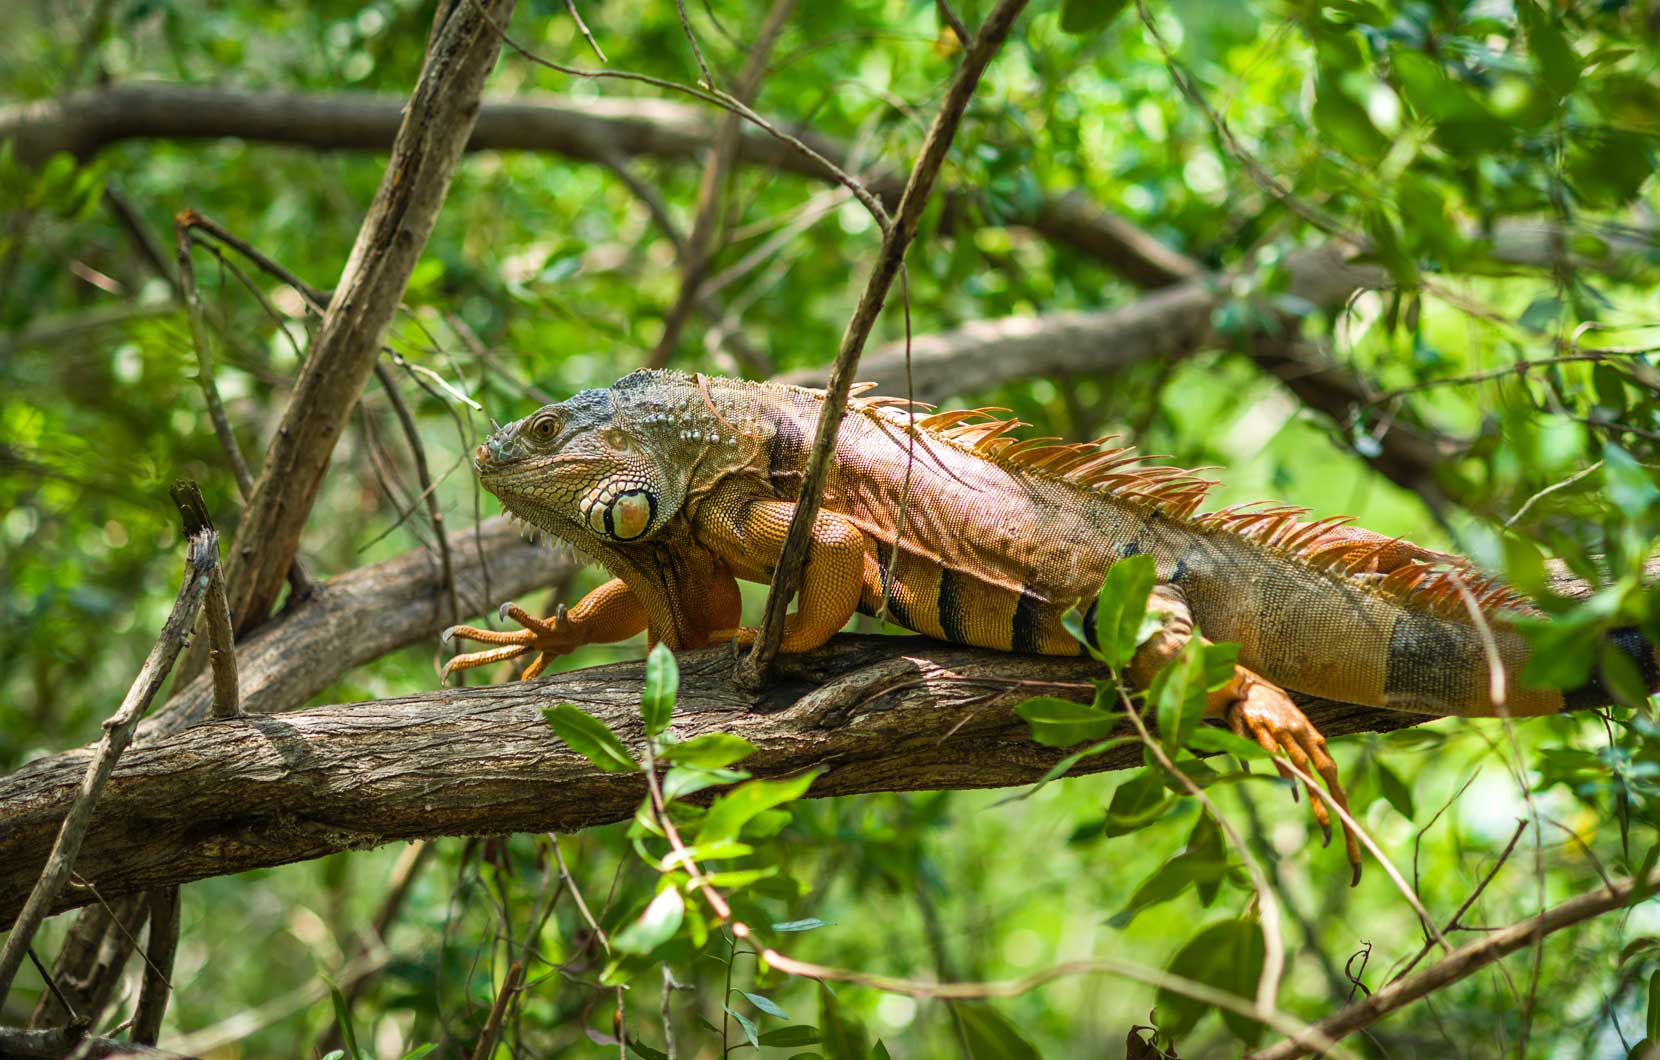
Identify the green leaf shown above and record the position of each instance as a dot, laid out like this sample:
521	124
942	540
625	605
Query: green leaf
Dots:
1137	803
1120	607
990	1036
800	1034
343	1020
1227	956
728	814
1395	791
1629	486
645	1052
1221	741
653	927
1087	16
765	1004
420	1051
1061	768
844	1037
1178	694
1169	880
662	683
712	750
1063	723
1345	123
588	737
1653	1024
684	780
750	1033
807	924
1558	64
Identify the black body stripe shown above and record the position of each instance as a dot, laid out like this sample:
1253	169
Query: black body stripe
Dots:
785	450
1089	623
1594	692
953	623
1420	669
1023	628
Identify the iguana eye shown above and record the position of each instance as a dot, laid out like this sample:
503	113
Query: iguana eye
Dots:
544	427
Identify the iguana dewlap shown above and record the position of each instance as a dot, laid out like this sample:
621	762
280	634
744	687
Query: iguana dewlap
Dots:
680	484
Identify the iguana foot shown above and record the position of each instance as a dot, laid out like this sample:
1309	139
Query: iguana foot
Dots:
548	638
1264	713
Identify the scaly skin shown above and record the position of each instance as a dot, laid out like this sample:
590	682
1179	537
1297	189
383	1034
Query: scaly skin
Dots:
680	484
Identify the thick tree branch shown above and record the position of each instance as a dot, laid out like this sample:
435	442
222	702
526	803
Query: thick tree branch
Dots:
359	616
436	125
882	713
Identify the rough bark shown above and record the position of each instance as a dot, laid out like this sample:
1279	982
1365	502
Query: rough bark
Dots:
359	616
436	124
880	713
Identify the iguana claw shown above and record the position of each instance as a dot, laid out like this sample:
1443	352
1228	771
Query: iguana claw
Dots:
1265	714
548	638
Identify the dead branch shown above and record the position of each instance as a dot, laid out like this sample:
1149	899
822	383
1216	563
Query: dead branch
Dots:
436	125
70	832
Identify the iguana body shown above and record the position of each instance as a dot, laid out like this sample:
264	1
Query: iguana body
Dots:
679	484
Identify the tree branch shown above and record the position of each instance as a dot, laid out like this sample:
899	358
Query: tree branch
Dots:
882	713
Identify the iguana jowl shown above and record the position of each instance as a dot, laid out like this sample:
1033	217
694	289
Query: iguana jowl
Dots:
679	484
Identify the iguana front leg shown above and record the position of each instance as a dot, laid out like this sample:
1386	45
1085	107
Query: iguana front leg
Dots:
1253	707
609	613
749	535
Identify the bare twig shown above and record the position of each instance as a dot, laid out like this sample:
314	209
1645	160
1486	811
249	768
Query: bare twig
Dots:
1465	960
698	249
158	966
216	613
204	362
576	16
202	555
895	240
418	453
486	1046
1452	922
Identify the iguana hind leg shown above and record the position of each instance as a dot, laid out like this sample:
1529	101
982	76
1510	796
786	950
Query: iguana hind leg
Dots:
750	536
609	613
1254	708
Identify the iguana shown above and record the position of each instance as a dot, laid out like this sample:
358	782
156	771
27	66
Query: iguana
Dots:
679	484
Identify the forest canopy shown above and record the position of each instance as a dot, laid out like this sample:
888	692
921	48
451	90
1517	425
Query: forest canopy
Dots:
1396	260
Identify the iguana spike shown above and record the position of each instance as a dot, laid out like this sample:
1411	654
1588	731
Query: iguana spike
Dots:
860	388
1025	445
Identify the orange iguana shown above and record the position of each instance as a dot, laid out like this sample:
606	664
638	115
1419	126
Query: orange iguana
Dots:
679	484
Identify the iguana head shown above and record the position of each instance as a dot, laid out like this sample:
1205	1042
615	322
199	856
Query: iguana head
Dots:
583	472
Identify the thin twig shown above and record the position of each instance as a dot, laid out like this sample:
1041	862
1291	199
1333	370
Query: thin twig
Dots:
492	1027
708	80
204	361
201	556
227	699
698	248
418	453
1452	922
1468	959
752	671
715	97
158	967
570	5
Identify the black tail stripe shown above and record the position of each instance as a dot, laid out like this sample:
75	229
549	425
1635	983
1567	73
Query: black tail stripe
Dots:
1023	628
953	622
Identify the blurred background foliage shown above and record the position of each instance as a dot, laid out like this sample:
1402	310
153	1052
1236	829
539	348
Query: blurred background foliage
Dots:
1240	133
